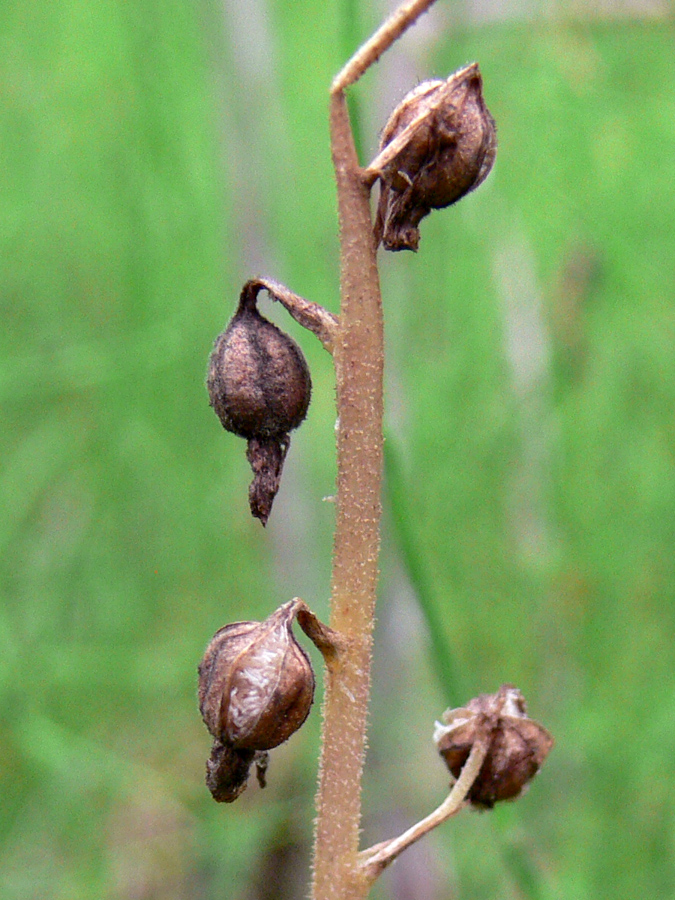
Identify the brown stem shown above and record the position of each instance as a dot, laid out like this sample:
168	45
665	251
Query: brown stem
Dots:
329	642
358	362
374	860
310	315
390	30
359	359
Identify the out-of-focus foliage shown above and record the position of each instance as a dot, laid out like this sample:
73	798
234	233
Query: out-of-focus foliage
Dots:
154	156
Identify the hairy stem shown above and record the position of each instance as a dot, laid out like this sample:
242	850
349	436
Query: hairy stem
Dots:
359	359
358	352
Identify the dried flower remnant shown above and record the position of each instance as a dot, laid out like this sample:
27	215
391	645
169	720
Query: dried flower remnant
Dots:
256	687
517	745
227	771
449	151
260	387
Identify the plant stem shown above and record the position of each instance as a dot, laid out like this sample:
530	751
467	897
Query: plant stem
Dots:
390	30
358	350
358	353
377	858
310	315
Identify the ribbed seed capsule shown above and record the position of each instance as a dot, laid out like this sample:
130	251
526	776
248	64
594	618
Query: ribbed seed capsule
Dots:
256	687
448	155
517	745
258	380
260	387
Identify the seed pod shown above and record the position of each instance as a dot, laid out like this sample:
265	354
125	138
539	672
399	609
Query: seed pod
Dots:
260	387
517	745
258	380
256	687
448	154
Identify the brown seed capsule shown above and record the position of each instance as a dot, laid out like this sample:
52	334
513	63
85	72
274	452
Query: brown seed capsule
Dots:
256	687
260	387
258	380
517	745
449	154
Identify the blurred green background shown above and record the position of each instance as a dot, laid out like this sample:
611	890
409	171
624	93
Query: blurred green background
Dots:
155	155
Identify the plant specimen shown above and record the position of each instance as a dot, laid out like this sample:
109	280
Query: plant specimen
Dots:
256	684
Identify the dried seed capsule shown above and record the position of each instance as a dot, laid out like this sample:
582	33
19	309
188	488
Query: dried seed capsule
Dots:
449	154
256	687
258	380
260	387
256	683
517	745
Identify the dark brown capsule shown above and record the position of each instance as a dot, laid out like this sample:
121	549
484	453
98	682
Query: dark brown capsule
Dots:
517	745
448	155
258	380
260	387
